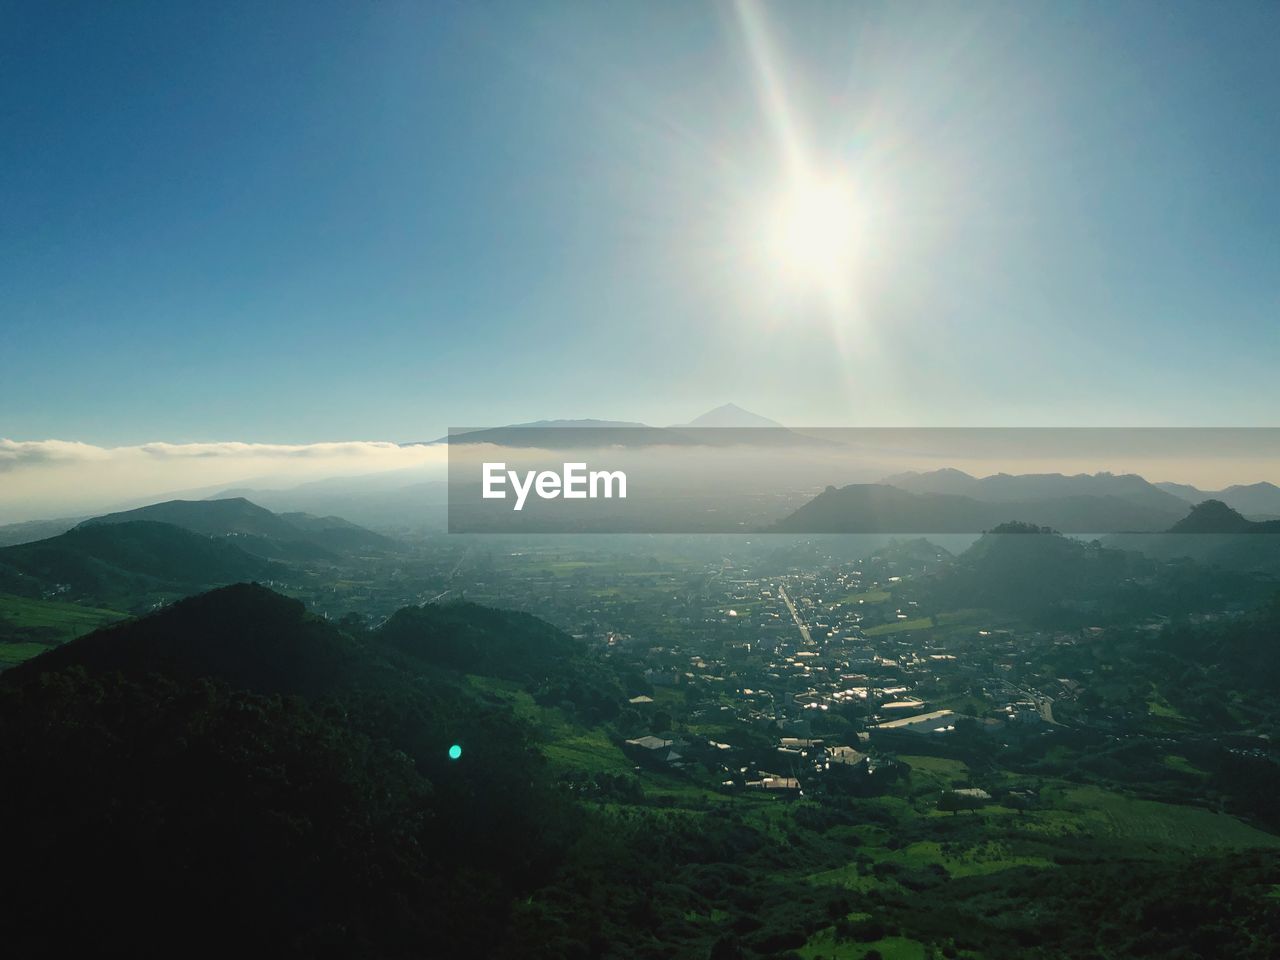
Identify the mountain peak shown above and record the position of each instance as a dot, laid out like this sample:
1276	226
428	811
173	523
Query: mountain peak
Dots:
1212	516
732	415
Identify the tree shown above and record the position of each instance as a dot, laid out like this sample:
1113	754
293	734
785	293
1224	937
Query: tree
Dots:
726	948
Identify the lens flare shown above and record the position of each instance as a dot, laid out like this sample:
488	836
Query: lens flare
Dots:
811	236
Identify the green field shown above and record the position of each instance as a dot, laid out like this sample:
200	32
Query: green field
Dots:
1182	765
956	619
867	596
1160	825
11	653
28	626
566	745
937	768
919	623
973	859
1160	708
588	750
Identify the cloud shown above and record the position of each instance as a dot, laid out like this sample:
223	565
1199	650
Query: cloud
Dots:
44	478
15	454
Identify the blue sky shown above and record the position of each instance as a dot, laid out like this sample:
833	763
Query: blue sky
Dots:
297	222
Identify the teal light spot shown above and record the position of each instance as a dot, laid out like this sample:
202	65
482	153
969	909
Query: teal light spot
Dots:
455	751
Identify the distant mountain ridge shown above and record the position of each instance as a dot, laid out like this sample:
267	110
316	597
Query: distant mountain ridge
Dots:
1041	486
1251	499
882	508
739	426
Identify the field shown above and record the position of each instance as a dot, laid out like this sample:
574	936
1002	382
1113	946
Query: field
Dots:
28	626
944	623
867	596
938	769
16	652
1158	826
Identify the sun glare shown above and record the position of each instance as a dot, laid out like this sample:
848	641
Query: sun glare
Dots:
810	235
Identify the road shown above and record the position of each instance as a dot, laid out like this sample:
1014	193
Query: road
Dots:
795	615
1044	705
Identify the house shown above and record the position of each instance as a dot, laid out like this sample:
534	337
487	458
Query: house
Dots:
845	755
938	721
649	742
773	782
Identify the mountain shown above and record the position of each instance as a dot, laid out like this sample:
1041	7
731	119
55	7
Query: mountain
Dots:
29	530
1016	488
1025	568
948	480
1253	499
881	508
1183	491
126	560
395	502
727	425
1260	500
731	415
256	530
475	639
1215	535
1214	516
525	434
244	634
256	773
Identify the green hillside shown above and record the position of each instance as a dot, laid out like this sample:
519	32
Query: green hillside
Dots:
126	561
256	530
29	626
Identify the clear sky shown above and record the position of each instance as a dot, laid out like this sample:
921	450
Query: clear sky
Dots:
287	223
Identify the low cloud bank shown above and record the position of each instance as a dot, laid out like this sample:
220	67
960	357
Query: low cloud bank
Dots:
50	478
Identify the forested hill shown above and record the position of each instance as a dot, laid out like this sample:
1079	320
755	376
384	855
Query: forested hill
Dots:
250	637
287	536
234	750
1214	516
243	635
1035	572
127	560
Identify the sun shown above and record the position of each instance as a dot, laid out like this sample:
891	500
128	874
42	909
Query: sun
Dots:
810	234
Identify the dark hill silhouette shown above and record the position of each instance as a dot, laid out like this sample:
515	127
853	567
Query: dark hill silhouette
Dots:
252	638
1215	535
507	644
476	639
1214	516
1029	569
235	766
244	635
126	560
